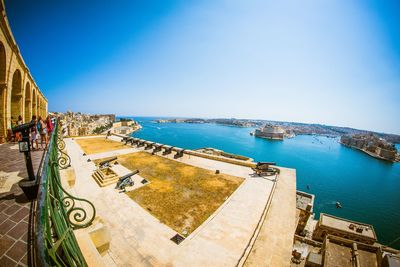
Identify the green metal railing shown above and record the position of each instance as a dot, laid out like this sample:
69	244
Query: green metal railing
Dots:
58	212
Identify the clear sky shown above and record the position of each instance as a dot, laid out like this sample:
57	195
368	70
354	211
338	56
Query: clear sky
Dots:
332	62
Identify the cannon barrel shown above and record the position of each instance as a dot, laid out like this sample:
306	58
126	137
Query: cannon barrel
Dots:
127	140
149	145
128	175
267	163
179	153
121	179
157	147
141	143
104	162
167	150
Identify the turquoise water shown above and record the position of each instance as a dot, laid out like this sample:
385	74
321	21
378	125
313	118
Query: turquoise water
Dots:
367	188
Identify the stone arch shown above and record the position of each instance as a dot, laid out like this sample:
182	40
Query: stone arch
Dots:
3	92
28	102
16	96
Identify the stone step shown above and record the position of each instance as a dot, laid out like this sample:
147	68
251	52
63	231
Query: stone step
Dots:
102	180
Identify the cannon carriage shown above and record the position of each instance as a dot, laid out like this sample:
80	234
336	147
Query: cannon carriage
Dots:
179	153
141	143
127	140
106	163
157	148
149	145
134	141
265	169
168	150
125	181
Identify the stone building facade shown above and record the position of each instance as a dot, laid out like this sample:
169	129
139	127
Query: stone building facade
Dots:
19	94
304	205
371	144
270	131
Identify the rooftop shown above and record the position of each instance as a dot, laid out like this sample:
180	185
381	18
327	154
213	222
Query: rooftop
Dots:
348	226
342	252
303	200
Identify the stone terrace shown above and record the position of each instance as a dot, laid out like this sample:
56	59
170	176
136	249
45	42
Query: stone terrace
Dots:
14	206
139	239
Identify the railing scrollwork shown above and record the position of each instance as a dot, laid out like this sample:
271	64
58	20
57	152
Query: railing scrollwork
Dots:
59	212
77	216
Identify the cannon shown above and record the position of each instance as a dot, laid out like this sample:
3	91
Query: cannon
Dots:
179	153
106	163
149	145
141	143
126	180
134	141
157	148
128	140
264	168
167	150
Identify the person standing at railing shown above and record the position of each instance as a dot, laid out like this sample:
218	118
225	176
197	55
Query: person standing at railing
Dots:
50	127
34	137
41	125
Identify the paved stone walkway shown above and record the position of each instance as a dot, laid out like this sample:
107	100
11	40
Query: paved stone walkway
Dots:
14	207
140	239
273	247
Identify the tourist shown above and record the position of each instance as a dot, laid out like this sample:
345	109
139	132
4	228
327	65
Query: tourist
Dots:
41	126
10	134
34	137
18	136
50	127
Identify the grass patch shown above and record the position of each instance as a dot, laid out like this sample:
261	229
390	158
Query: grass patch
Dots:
98	145
179	195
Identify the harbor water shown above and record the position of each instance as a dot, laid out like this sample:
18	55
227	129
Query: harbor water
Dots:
367	188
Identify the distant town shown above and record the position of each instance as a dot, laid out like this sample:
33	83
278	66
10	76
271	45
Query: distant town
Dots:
80	124
378	145
290	128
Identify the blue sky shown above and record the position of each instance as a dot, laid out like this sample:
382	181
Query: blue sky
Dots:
333	62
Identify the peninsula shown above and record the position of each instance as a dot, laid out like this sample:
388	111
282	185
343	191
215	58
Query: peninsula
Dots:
372	145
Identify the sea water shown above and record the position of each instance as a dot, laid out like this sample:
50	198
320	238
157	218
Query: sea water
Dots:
367	188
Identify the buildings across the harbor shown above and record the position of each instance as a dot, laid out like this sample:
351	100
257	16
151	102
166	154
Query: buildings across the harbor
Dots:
270	131
372	145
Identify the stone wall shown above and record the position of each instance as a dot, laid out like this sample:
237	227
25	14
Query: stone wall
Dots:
19	94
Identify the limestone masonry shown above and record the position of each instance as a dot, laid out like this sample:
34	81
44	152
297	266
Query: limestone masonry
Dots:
372	145
19	94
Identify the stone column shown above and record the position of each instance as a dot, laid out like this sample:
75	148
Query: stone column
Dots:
3	112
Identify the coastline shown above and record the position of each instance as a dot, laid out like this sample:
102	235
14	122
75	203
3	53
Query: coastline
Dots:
370	153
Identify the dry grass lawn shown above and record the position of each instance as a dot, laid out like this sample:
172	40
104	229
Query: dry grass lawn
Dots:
98	145
179	195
